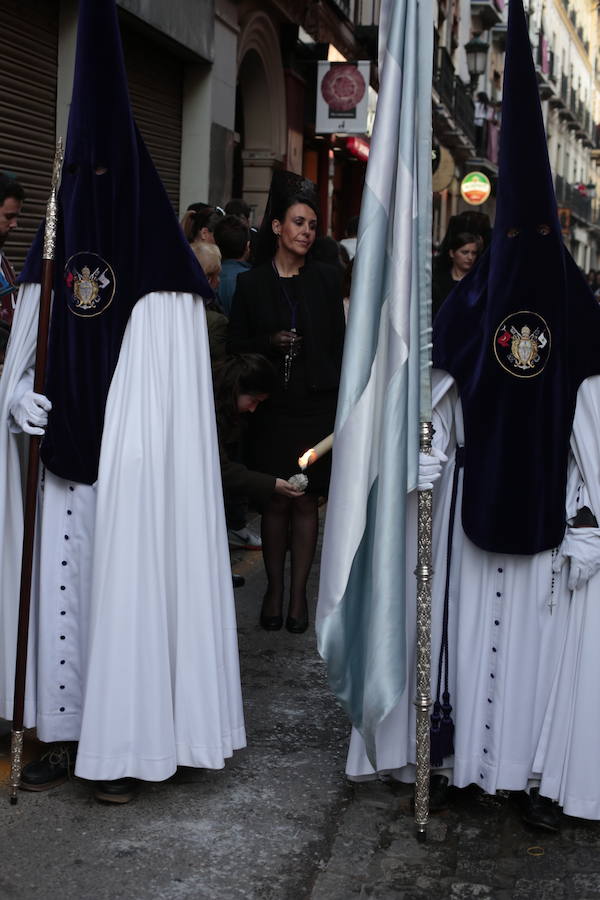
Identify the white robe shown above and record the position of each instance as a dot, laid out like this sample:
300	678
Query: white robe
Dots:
506	621
133	642
567	753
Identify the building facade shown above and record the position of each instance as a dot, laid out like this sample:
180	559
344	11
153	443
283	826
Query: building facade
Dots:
467	88
565	36
224	92
565	42
169	50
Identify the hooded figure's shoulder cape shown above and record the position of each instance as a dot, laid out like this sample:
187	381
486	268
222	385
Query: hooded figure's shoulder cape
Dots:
519	334
117	240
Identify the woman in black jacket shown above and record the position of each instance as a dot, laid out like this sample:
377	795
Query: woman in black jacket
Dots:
290	309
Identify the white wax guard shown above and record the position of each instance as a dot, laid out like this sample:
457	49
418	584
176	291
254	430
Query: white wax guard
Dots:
299	481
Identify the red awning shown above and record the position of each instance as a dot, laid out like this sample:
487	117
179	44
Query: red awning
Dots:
357	146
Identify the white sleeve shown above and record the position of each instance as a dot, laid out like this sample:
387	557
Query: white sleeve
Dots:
24	384
445	399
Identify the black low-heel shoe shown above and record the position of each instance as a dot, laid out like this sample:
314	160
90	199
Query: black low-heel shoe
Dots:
52	769
271	623
296	626
121	790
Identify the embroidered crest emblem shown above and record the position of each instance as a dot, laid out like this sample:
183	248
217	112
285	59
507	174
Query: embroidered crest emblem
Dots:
522	344
90	284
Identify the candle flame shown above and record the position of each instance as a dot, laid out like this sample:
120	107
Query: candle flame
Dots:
306	459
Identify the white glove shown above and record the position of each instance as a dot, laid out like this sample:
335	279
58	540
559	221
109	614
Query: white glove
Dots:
30	412
430	468
582	547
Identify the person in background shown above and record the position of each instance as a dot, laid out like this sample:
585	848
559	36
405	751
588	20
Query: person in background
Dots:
241	383
460	257
476	223
347	287
209	257
349	242
11	202
327	250
199	225
483	111
289	307
344	255
4	335
239	534
232	237
238	207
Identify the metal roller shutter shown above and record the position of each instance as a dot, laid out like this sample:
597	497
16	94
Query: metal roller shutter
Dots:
28	47
156	89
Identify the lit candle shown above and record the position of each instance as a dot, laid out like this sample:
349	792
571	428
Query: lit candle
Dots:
316	452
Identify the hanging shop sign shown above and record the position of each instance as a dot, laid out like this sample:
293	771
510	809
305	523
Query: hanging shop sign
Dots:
475	188
342	97
442	168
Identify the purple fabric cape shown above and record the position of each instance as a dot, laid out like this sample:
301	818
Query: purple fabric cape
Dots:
118	240
519	334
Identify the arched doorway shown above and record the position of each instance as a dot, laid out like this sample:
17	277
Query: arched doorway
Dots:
260	111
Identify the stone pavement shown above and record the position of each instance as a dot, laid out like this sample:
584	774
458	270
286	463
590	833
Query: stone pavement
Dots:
478	849
280	822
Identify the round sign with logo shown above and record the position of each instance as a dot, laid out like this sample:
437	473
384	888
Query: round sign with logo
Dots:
475	188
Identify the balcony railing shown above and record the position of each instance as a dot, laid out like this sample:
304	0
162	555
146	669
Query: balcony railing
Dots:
444	78
542	54
568	196
342	5
366	13
464	111
366	24
544	63
573	101
489	11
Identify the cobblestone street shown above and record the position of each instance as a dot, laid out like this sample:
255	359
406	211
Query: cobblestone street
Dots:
280	822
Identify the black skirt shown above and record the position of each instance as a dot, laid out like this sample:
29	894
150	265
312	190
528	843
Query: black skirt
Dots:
279	433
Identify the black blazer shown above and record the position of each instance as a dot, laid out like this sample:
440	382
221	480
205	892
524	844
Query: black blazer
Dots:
258	311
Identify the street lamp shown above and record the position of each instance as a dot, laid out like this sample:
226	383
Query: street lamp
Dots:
477	51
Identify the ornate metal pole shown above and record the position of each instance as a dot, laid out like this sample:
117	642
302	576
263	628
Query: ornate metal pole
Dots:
424	572
16	747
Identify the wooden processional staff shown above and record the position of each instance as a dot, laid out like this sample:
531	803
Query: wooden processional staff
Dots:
33	465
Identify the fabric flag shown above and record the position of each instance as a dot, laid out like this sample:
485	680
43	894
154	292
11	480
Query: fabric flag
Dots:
361	611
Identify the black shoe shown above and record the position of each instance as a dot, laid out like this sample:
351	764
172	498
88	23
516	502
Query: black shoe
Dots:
296	626
271	623
52	769
439	789
121	790
541	813
238	580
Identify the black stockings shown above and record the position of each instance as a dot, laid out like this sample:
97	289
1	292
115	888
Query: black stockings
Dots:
296	521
